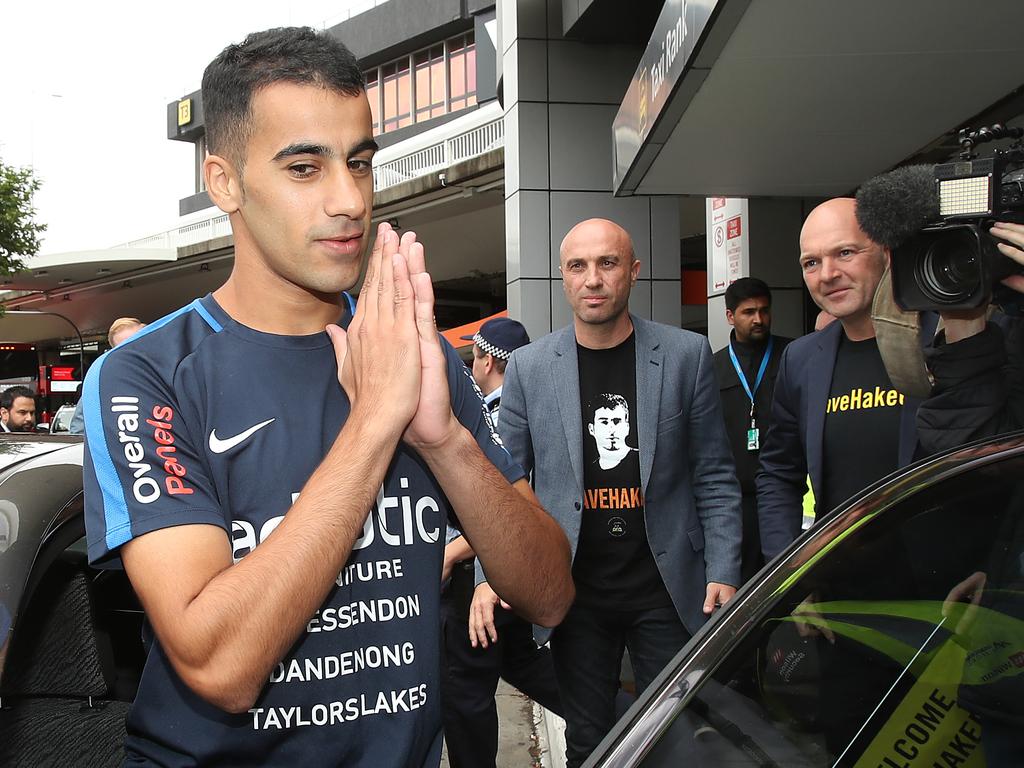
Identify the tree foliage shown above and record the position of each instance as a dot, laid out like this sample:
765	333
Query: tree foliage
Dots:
19	231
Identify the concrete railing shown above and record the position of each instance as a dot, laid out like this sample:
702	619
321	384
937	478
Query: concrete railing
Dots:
431	158
441	154
187	234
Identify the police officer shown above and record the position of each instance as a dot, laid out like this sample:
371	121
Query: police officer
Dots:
471	673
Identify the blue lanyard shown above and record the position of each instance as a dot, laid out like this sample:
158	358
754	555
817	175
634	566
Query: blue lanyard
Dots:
760	372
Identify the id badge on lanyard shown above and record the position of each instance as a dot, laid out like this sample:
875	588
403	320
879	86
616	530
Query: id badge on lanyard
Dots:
753	433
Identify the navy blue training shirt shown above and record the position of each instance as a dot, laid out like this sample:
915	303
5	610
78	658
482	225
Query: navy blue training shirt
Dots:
200	420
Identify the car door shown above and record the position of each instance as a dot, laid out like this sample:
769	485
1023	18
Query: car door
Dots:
890	637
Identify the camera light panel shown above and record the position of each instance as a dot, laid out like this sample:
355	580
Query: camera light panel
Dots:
969	196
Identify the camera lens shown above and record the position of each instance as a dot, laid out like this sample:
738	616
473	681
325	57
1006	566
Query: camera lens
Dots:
949	272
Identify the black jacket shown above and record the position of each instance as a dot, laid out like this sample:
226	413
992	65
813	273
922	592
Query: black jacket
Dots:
979	386
736	409
793	450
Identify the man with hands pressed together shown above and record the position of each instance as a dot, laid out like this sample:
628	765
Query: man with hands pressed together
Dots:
289	570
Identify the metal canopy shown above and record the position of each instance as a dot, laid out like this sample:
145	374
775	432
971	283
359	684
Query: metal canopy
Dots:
54	271
809	98
31	328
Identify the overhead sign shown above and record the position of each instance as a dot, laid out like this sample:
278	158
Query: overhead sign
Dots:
62	373
672	45
728	242
57	378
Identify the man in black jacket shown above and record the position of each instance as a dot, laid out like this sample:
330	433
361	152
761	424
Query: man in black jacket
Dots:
978	368
746	371
836	417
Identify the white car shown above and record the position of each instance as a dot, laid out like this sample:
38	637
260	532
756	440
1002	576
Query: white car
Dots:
62	419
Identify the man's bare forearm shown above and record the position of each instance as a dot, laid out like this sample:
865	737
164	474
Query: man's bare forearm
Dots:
225	640
522	548
458	549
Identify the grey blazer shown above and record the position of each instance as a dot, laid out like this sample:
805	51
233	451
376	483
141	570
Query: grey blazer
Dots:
692	497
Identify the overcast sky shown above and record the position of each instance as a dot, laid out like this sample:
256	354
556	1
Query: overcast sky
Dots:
85	88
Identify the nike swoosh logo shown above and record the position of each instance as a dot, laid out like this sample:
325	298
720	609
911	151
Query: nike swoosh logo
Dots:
219	446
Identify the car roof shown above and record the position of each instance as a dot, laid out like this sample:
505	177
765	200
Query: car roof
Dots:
40	498
17	447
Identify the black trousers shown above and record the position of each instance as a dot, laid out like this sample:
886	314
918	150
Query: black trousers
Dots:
471	678
587	649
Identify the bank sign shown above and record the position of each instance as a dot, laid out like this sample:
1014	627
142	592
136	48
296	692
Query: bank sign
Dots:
668	54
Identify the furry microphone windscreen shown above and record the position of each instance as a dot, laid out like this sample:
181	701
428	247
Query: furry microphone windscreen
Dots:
896	205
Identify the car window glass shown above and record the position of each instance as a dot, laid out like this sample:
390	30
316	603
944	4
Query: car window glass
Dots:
900	645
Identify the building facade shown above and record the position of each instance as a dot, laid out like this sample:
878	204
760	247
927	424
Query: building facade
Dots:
502	124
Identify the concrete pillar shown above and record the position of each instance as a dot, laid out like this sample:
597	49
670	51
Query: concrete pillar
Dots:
560	97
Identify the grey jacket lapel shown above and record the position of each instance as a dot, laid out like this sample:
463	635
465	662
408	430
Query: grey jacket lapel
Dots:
565	380
648	393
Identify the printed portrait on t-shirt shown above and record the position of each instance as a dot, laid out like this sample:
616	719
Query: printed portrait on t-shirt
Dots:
608	423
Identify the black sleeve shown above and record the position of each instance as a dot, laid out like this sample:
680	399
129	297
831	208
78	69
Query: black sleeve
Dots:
978	390
782	479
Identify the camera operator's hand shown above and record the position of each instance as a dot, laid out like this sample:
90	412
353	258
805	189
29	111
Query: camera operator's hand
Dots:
963	324
1012	233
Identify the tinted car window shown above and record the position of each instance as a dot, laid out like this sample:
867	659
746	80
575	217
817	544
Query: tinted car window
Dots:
900	644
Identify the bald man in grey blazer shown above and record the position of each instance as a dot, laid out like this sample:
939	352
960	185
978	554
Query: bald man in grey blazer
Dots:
619	419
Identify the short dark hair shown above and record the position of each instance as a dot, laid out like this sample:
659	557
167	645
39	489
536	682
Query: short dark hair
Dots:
499	364
299	55
746	288
608	400
8	396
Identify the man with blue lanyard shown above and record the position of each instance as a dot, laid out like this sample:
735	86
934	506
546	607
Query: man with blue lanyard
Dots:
746	371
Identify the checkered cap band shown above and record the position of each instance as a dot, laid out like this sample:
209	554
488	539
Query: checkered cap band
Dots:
490	349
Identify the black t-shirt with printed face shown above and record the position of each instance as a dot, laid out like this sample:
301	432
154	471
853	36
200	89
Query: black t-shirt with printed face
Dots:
862	423
614	566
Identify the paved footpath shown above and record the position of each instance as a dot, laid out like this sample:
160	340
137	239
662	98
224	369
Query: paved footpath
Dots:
520	739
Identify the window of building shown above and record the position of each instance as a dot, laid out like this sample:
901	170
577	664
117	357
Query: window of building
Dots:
397	92
430	83
427	83
462	72
373	95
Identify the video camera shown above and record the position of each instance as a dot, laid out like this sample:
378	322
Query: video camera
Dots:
935	220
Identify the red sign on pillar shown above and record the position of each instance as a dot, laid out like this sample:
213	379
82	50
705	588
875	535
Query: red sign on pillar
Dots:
62	373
